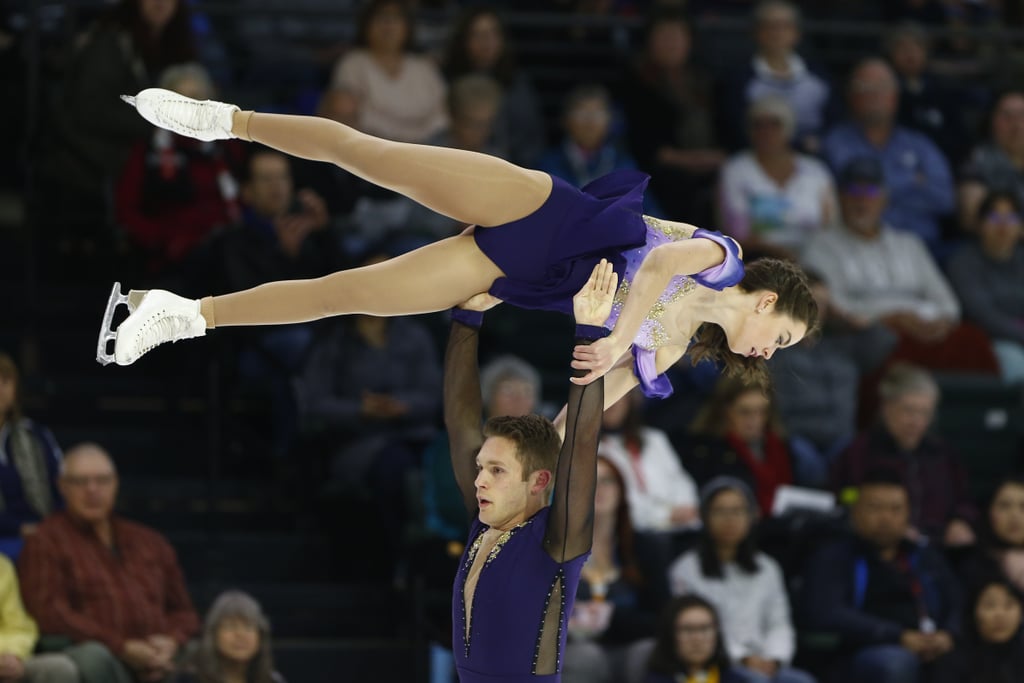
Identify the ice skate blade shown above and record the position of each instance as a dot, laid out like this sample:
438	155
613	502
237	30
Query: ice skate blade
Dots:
104	357
130	99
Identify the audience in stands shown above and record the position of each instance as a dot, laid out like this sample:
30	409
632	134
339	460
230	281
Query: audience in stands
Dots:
1000	550
892	601
745	585
669	106
479	45
113	587
815	388
917	178
772	198
992	649
175	191
30	461
18	637
988	276
927	103
235	644
941	507
123	52
590	148
877	273
612	609
776	69
738	434
690	646
996	163
401	94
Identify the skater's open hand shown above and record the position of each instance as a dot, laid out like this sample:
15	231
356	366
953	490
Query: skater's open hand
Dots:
480	302
593	304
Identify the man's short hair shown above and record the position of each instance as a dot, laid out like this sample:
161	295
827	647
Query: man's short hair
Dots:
536	441
903	378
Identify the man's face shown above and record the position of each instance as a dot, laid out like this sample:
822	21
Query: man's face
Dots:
501	493
89	486
908	417
881	515
862	206
269	188
874	96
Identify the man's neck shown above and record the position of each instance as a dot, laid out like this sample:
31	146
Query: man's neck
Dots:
778	62
878	134
888	553
534	505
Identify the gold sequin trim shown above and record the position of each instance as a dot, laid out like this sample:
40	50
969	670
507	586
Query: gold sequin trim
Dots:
671	229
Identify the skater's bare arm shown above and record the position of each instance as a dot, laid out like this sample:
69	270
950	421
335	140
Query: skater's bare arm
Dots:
570	531
685	257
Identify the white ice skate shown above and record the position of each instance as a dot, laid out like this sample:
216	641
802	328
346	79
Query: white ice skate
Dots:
155	317
202	120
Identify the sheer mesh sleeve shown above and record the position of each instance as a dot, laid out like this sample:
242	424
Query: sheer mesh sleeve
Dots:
463	408
570	531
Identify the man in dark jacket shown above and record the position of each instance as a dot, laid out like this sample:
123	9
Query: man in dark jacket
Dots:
893	602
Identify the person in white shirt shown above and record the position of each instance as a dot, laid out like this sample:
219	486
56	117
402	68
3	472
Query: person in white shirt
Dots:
662	496
770	195
745	586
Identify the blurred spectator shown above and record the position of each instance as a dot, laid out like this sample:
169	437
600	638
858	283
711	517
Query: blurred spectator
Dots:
589	150
998	163
893	602
927	103
29	466
771	197
992	650
18	637
916	175
339	188
690	646
371	388
235	645
669	108
479	45
876	272
175	191
988	276
1000	550
936	482
776	69
401	95
610	612
738	434
662	496
124	52
815	386
112	586
745	586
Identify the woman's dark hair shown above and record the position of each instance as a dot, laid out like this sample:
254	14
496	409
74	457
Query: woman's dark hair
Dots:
234	605
631	430
174	45
991	662
989	203
746	553
989	539
660	16
456	55
789	282
624	539
369	11
665	658
9	371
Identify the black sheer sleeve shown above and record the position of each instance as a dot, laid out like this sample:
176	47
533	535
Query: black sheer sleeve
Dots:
570	531
463	408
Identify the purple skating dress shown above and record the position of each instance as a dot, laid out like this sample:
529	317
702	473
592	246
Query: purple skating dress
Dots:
549	255
510	602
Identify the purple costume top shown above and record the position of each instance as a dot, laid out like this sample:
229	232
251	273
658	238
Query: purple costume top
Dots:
510	602
549	255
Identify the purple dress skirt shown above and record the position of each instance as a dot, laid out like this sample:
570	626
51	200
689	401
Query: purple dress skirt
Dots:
549	255
512	597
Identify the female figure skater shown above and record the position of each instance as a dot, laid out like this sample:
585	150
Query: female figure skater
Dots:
535	242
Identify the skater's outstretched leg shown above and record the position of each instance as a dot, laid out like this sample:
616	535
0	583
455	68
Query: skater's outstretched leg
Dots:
466	186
